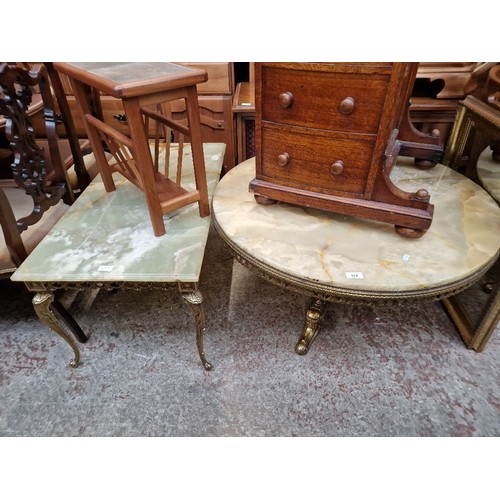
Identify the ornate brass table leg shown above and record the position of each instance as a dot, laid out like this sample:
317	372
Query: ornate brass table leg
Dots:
192	296
314	317
42	303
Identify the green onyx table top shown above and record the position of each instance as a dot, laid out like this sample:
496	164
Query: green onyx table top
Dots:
108	236
332	252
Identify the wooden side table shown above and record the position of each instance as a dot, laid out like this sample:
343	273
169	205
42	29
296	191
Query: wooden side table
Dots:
143	88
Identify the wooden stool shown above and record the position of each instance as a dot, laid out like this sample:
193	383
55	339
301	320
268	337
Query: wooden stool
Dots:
145	90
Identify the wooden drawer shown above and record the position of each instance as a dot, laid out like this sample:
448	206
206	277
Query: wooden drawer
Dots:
321	99
311	155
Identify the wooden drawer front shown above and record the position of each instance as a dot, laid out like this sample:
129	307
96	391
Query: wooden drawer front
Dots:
323	100
314	160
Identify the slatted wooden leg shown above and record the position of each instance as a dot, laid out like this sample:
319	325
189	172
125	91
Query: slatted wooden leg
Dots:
197	149
80	91
142	156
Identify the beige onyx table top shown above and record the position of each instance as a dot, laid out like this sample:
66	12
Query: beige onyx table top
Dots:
336	253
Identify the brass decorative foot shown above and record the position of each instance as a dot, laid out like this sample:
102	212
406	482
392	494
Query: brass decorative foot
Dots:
194	300
42	305
314	317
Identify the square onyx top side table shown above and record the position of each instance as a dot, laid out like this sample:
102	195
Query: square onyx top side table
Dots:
104	241
145	90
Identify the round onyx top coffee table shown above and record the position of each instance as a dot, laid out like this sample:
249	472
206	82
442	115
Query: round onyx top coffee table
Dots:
333	257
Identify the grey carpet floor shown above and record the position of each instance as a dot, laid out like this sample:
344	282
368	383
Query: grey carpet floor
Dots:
373	371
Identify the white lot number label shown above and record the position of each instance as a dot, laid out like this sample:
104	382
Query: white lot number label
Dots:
105	269
354	275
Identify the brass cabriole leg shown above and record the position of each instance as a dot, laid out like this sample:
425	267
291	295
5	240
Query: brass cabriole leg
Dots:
314	317
193	298
42	304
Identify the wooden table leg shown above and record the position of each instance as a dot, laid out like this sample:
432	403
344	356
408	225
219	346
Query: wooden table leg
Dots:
197	150
193	298
142	156
81	92
314	317
53	314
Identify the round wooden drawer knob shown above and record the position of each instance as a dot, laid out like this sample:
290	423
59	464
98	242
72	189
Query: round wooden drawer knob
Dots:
337	168
283	159
347	106
286	99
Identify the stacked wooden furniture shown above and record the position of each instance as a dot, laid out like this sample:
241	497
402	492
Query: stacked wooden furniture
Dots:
478	123
328	134
448	79
438	88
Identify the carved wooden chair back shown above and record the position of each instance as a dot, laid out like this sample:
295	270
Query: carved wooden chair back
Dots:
39	176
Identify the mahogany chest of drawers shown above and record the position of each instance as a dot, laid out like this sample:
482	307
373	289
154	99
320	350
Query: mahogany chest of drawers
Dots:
327	138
